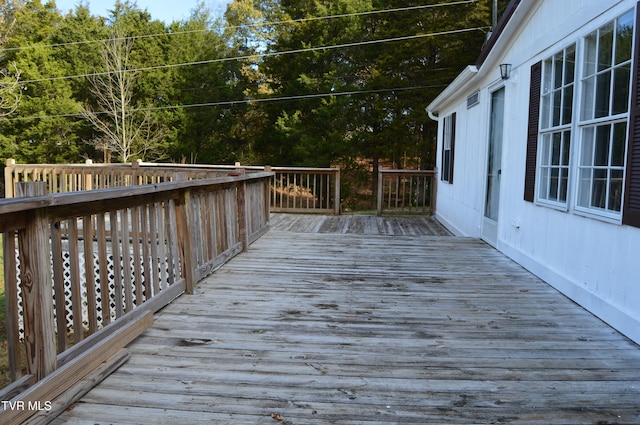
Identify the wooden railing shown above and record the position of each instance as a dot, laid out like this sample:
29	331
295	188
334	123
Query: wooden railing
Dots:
306	190
91	267
293	189
406	192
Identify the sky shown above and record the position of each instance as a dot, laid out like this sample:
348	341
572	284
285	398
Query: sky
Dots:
164	10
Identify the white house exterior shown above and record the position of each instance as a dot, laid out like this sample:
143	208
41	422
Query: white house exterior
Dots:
545	165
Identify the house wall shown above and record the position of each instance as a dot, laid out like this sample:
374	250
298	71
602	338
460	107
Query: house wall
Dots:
594	262
459	205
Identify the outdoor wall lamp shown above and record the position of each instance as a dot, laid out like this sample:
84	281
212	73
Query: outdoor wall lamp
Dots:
505	70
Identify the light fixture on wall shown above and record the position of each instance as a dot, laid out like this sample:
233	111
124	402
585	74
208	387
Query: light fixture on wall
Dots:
505	70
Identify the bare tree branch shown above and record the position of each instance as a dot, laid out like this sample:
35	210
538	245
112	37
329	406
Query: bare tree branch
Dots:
10	86
124	130
10	90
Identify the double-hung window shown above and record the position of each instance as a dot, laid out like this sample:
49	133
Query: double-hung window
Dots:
558	78
604	116
578	128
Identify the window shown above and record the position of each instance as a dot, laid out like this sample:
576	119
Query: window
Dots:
558	78
603	117
577	152
448	144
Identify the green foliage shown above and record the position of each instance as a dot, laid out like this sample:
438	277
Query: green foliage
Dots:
44	94
392	81
194	93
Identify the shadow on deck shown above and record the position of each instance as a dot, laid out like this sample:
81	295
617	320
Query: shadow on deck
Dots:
318	328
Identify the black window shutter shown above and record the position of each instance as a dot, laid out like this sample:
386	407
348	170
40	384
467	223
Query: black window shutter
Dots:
453	145
631	211
444	160
532	132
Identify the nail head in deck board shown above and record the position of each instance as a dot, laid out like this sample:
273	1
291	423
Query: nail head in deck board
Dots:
354	328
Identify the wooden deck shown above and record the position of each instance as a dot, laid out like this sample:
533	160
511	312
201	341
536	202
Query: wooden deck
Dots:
358	224
320	328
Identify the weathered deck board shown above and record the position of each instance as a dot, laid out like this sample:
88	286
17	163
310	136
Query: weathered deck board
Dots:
359	224
321	328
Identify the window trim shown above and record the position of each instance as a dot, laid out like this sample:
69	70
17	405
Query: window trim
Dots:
582	124
629	213
548	129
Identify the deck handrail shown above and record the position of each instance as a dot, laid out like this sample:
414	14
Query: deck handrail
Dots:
293	189
123	252
406	192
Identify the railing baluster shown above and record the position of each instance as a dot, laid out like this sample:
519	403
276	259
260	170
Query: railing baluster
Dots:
153	240
117	264
136	249
126	261
390	193
103	266
147	262
328	197
162	252
74	281
11	304
58	285
174	257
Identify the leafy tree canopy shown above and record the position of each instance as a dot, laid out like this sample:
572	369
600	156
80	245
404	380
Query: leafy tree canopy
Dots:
284	82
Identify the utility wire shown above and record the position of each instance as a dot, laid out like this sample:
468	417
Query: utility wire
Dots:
261	55
291	21
239	102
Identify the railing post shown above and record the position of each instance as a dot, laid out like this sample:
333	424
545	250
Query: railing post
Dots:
267	194
433	193
337	193
8	178
239	170
135	178
37	287
380	188
185	239
88	178
242	215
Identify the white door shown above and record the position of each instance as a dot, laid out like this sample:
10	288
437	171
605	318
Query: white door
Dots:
494	168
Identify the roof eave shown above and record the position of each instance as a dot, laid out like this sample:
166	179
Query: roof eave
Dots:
493	50
462	81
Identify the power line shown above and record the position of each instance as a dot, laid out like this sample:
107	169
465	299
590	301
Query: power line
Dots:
240	102
262	55
291	21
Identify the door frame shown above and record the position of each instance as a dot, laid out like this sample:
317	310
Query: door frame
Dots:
489	230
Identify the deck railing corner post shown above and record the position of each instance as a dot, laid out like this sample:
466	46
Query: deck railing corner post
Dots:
379	194
434	188
36	285
9	183
337	194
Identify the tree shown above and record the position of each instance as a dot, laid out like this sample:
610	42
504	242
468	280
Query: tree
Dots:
39	131
203	130
123	129
10	87
380	52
